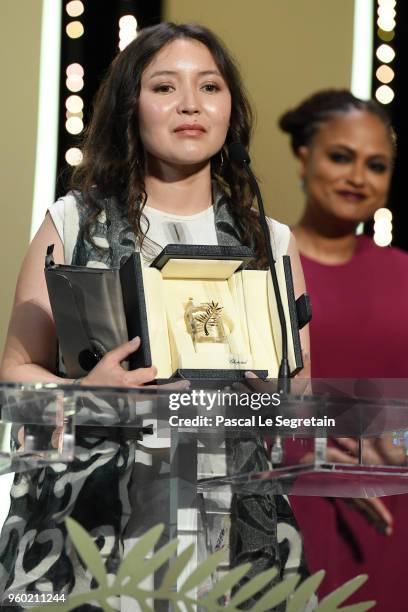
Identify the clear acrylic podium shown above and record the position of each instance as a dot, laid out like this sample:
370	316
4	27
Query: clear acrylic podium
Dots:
39	424
195	453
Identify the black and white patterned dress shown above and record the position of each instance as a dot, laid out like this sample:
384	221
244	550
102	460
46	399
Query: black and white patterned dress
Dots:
108	487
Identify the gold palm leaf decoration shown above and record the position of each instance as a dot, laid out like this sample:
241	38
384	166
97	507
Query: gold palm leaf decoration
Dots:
209	318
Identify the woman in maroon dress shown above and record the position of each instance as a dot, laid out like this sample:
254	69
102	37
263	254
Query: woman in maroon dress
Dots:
345	149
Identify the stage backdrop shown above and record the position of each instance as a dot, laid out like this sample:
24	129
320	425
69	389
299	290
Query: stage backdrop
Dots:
286	49
20	33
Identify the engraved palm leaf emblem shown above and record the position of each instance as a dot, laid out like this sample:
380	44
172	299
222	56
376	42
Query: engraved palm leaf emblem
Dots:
209	318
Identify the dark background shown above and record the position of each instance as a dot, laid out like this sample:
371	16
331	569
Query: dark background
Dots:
94	51
398	113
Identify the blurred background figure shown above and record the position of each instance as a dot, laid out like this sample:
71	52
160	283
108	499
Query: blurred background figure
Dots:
345	149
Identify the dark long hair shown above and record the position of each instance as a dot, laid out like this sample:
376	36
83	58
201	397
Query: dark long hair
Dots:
113	156
306	119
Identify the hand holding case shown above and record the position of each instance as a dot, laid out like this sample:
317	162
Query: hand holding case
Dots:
96	309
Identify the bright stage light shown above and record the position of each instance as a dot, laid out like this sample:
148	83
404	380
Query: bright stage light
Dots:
75	8
74	29
127	30
383	213
386	23
74	104
382	240
74	125
383	227
385	53
73	156
75	69
74	83
128	22
384	94
385	74
386	12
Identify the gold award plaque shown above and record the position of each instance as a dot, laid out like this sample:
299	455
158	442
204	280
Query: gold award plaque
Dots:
205	322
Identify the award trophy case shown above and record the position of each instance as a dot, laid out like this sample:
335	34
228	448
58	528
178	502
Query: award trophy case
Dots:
199	311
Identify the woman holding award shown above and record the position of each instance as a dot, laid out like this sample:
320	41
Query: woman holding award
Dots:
155	171
345	149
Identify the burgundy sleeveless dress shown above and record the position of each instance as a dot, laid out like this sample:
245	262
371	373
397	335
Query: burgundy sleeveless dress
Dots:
359	330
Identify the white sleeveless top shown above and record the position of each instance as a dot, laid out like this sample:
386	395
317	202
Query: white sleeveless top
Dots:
164	228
